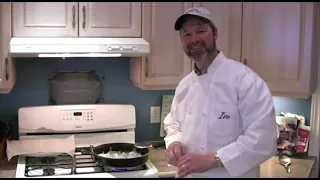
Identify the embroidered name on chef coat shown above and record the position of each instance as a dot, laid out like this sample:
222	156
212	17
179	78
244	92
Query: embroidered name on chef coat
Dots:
224	116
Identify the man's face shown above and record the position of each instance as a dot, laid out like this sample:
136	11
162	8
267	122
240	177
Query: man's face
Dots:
197	38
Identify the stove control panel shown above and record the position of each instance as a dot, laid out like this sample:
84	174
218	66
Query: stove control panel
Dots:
74	116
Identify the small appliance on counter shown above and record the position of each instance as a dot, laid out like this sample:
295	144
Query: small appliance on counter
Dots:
91	125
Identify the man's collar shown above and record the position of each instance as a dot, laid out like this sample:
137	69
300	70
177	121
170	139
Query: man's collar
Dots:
205	70
198	71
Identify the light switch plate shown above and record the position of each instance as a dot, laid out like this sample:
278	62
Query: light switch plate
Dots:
155	112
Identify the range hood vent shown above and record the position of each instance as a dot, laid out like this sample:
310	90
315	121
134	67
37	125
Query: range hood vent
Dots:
79	47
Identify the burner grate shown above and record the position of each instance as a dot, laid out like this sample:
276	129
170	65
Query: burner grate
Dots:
49	166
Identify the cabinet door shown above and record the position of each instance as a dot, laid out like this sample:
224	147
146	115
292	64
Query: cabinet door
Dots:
167	63
110	19
277	44
7	67
227	17
45	19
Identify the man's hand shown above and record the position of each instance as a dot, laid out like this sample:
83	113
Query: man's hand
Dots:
174	153
195	163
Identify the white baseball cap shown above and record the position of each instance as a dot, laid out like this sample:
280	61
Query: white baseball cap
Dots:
195	11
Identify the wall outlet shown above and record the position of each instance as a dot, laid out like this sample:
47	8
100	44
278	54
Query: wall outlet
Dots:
155	114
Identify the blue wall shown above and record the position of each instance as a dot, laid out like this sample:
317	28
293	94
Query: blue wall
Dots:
32	89
293	105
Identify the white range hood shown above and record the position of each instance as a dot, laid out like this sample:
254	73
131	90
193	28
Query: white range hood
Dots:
79	47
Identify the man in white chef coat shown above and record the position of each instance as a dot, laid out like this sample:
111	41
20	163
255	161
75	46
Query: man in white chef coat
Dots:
222	119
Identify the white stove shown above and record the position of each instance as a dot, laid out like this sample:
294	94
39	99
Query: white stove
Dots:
91	125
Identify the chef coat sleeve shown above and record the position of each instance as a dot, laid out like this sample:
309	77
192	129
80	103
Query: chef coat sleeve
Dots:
258	143
172	125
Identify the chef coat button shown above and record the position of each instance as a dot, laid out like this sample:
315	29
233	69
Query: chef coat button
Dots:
202	148
189	113
204	114
194	81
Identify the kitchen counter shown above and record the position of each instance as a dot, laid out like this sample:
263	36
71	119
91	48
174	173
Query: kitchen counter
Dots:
300	167
8	169
158	159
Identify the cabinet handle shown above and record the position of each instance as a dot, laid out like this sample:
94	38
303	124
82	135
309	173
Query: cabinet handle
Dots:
73	17
245	61
6	69
84	17
146	71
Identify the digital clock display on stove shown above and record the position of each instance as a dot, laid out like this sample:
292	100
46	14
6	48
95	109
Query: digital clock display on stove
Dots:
77	114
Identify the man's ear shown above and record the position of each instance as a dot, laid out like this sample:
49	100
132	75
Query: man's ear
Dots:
215	34
180	35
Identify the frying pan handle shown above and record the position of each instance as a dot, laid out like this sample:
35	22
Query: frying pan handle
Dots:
91	149
143	145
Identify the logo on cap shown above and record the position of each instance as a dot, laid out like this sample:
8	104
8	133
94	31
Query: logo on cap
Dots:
193	10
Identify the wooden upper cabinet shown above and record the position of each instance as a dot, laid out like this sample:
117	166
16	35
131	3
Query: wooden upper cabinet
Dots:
227	17
7	63
110	19
166	64
76	19
45	19
280	42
